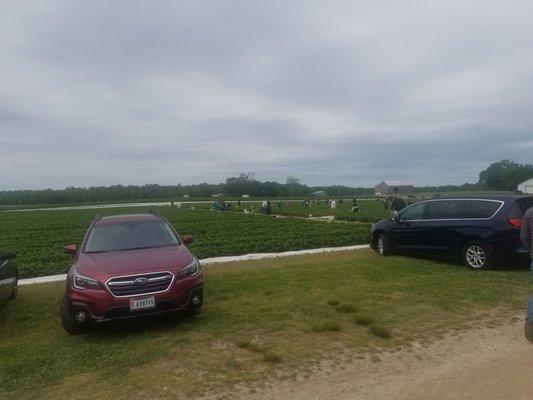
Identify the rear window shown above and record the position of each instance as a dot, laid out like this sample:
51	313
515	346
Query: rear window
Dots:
445	209
480	208
520	207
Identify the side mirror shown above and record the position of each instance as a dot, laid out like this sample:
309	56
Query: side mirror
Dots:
187	239
71	249
7	256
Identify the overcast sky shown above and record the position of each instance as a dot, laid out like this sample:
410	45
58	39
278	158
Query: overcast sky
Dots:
333	92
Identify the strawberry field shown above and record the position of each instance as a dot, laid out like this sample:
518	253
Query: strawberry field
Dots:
38	237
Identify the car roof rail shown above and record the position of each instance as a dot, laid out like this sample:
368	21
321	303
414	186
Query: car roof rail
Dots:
97	217
154	212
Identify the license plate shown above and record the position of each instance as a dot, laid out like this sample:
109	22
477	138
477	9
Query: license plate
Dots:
142	304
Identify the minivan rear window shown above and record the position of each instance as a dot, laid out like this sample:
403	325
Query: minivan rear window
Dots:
480	208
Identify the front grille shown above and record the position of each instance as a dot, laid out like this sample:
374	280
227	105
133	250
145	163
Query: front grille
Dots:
134	285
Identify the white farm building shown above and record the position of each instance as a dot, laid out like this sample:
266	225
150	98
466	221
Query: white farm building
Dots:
526	187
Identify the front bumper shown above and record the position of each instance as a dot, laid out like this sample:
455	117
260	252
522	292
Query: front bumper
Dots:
100	305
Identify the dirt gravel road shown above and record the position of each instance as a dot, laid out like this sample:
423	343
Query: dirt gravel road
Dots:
488	364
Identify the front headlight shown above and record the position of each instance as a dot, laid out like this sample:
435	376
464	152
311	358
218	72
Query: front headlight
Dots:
192	269
80	281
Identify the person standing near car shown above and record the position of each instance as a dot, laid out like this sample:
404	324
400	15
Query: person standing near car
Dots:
397	204
526	234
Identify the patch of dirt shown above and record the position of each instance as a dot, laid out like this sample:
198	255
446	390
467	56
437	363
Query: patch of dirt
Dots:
482	363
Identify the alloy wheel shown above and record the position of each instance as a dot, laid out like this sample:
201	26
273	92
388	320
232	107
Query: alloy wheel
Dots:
475	256
381	246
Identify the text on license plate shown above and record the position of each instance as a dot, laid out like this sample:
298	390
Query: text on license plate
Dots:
142	304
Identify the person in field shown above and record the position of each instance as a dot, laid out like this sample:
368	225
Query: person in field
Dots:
264	207
333	205
397	204
526	234
355	206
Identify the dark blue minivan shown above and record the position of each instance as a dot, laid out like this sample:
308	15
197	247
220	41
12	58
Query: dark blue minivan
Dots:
482	231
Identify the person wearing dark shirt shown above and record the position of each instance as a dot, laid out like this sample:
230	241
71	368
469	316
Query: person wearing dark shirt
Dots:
526	234
355	206
397	204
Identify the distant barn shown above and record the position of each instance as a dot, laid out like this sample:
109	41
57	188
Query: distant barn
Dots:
526	187
384	188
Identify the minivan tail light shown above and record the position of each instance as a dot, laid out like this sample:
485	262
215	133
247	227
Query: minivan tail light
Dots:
516	222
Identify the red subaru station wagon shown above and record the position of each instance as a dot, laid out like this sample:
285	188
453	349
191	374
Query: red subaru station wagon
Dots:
129	266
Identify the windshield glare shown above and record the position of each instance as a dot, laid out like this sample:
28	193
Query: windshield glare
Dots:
130	236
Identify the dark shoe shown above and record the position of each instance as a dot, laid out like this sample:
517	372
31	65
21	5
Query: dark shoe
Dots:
528	330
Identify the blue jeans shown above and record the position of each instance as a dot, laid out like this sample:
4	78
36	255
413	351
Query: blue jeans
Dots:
530	301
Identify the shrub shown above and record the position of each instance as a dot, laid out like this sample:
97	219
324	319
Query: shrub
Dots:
331	326
380	331
363	319
346	308
272	357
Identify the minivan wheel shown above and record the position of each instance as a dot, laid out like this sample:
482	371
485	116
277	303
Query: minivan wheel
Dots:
383	245
67	319
476	255
14	289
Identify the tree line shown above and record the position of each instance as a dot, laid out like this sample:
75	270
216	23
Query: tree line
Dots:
503	175
232	187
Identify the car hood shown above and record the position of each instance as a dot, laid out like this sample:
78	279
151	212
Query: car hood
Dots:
103	266
384	223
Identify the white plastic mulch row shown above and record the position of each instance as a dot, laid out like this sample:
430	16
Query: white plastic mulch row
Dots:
218	260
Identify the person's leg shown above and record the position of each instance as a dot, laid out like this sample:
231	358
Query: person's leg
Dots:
528	326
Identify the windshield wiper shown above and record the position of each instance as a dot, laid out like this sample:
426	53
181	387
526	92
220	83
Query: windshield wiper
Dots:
144	247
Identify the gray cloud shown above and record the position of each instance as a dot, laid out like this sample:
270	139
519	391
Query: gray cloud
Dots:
336	93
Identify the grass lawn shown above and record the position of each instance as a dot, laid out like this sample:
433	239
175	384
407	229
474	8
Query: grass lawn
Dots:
263	320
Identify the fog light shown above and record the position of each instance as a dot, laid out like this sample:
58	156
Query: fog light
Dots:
80	316
196	300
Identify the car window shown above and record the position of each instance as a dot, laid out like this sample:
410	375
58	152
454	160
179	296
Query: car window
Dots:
480	208
445	209
416	211
129	235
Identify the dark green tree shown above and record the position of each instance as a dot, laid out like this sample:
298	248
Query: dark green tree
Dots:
505	175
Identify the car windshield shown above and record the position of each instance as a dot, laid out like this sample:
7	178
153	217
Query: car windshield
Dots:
130	236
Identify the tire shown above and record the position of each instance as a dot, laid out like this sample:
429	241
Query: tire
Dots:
67	319
477	255
14	289
192	309
383	246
